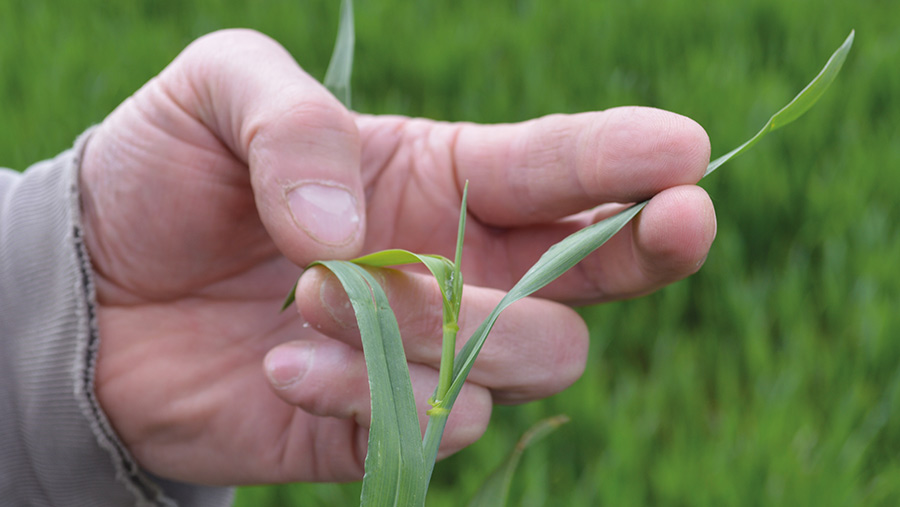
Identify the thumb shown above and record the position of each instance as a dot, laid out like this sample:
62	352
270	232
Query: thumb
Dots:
300	144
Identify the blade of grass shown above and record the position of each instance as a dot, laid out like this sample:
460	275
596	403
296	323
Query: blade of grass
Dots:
565	254
395	435
337	77
796	107
444	272
557	260
291	297
450	280
395	462
494	491
451	317
439	266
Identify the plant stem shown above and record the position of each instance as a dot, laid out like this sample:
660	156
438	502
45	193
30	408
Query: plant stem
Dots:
448	352
437	420
451	311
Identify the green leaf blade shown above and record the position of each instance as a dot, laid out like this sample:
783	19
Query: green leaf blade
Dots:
291	297
440	267
556	261
494	491
816	88
395	462
340	68
398	257
799	105
457	280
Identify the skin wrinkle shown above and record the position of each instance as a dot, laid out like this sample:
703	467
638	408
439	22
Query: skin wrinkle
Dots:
360	448
351	365
618	143
382	233
209	166
458	177
198	60
506	253
441	140
452	147
188	71
304	116
240	286
283	453
396	222
420	184
586	144
414	146
520	175
186	80
101	252
400	147
101	249
323	452
242	179
430	150
237	358
372	172
549	144
282	448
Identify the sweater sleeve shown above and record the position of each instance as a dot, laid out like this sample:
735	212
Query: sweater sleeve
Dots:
56	445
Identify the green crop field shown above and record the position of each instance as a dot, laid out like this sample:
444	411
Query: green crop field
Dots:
772	377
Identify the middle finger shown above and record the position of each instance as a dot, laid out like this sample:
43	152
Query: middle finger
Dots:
537	347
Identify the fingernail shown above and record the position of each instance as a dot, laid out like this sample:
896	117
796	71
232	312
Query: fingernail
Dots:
326	212
336	302
286	364
701	262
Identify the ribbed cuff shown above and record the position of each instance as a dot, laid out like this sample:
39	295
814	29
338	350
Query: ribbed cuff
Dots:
56	444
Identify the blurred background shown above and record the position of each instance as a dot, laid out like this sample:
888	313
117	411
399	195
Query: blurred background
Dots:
772	377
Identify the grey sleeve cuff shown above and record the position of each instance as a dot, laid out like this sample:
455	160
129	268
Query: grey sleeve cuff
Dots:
56	445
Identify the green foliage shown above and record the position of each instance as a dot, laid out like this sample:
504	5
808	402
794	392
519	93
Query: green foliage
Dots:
394	464
398	468
770	377
494	492
804	100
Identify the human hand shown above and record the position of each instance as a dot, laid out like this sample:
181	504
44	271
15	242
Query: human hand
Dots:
205	191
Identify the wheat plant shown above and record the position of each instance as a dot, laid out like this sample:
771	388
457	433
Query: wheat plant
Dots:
399	462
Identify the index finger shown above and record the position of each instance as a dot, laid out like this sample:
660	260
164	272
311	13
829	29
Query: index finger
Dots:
552	167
